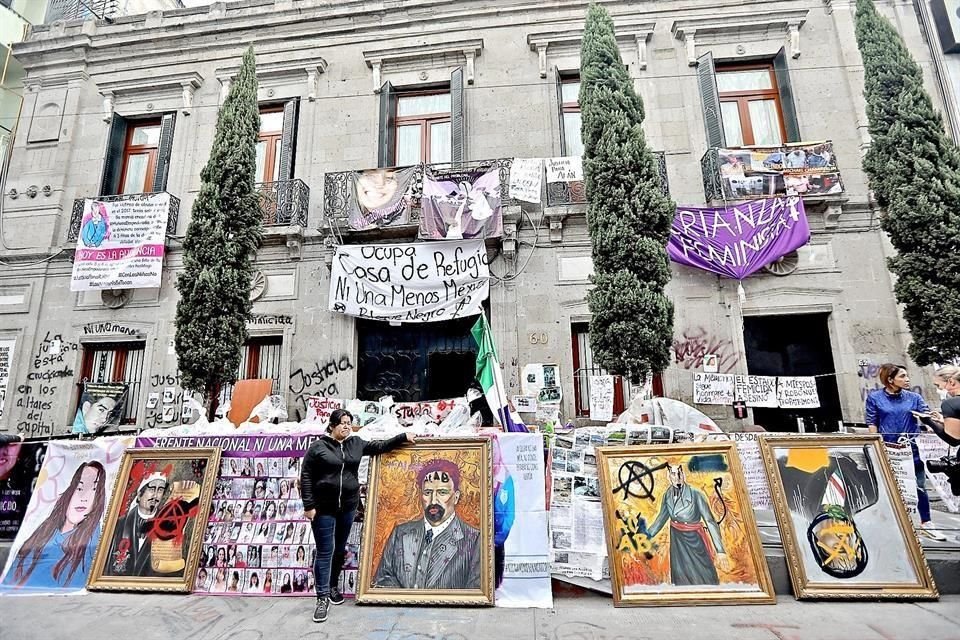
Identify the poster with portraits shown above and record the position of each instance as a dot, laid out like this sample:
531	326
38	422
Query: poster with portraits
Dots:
257	541
20	464
155	523
101	407
54	548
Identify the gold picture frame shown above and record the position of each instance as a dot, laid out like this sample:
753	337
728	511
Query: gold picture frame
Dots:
677	490
174	487
410	489
840	557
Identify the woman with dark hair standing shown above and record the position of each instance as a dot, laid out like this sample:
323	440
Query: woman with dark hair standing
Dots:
892	412
331	493
60	551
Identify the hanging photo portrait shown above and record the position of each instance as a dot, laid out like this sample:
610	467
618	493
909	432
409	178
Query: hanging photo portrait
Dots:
461	204
845	530
20	464
101	407
428	537
679	526
380	198
54	548
156	521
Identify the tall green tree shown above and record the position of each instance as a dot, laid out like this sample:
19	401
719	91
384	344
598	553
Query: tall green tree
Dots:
914	171
220	246
629	216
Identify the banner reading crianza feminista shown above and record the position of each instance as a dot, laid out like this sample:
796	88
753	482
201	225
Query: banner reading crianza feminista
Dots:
121	243
422	282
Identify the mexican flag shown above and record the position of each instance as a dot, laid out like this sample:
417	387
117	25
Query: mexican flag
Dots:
491	378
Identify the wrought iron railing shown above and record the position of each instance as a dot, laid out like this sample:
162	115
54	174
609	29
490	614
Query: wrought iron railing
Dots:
76	216
337	185
563	193
284	202
748	173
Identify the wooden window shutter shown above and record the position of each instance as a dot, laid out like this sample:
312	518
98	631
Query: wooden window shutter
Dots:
164	151
712	121
787	105
457	126
288	144
113	161
388	125
563	131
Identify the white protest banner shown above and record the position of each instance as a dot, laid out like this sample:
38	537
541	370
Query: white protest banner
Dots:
932	448
121	243
6	361
319	409
601	398
526	179
798	393
754	473
566	169
901	463
757	391
422	282
713	388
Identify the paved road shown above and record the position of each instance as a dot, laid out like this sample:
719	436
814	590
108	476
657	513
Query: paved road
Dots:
148	617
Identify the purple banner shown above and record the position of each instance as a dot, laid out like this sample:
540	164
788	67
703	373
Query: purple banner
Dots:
738	240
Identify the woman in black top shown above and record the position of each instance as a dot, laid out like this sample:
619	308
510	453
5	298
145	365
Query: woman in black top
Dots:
331	493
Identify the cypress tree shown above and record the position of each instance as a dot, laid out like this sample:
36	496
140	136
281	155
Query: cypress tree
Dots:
220	245
628	215
914	172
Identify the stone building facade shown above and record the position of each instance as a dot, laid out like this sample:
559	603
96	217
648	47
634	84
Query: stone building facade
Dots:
131	106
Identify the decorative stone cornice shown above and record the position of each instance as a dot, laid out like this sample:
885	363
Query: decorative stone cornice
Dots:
270	72
704	29
632	33
431	54
184	83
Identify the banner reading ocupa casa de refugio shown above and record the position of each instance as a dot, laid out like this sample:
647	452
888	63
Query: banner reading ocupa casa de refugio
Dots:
121	243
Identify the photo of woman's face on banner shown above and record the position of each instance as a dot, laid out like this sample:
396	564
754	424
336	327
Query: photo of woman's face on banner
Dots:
53	551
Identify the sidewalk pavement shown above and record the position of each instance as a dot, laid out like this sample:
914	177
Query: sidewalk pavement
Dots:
105	616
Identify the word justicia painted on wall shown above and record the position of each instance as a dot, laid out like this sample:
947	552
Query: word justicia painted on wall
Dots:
739	240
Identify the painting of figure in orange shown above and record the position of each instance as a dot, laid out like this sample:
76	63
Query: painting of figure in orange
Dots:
679	522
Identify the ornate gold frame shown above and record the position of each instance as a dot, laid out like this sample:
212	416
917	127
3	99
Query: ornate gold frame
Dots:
803	586
708	595
98	581
467	597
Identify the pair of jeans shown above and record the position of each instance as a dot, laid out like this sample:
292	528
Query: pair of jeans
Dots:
330	533
923	501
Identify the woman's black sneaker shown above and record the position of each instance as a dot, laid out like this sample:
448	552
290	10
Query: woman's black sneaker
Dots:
320	613
335	596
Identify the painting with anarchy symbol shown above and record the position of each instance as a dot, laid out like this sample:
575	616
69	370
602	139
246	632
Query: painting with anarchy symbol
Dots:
679	526
844	527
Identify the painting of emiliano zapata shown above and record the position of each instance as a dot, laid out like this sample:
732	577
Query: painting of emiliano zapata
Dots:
150	534
827	488
439	550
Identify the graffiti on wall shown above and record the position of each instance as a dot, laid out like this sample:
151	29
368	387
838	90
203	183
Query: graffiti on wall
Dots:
693	344
320	379
165	402
51	364
867	372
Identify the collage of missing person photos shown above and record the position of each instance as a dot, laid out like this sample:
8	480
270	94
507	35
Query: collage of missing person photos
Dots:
258	542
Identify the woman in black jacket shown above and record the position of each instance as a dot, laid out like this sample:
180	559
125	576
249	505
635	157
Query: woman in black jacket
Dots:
330	490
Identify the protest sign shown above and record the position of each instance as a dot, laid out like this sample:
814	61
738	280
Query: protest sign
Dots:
754	472
713	388
380	198
803	169
932	448
738	240
121	243
901	463
566	169
20	464
757	391
319	409
601	398
6	362
458	204
526	179
73	486
525	404
797	393
101	407
422	282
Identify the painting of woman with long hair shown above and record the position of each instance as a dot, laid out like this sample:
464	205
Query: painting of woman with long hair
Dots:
59	553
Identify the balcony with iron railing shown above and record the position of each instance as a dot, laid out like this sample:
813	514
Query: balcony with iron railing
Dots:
338	186
76	216
808	170
284	203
